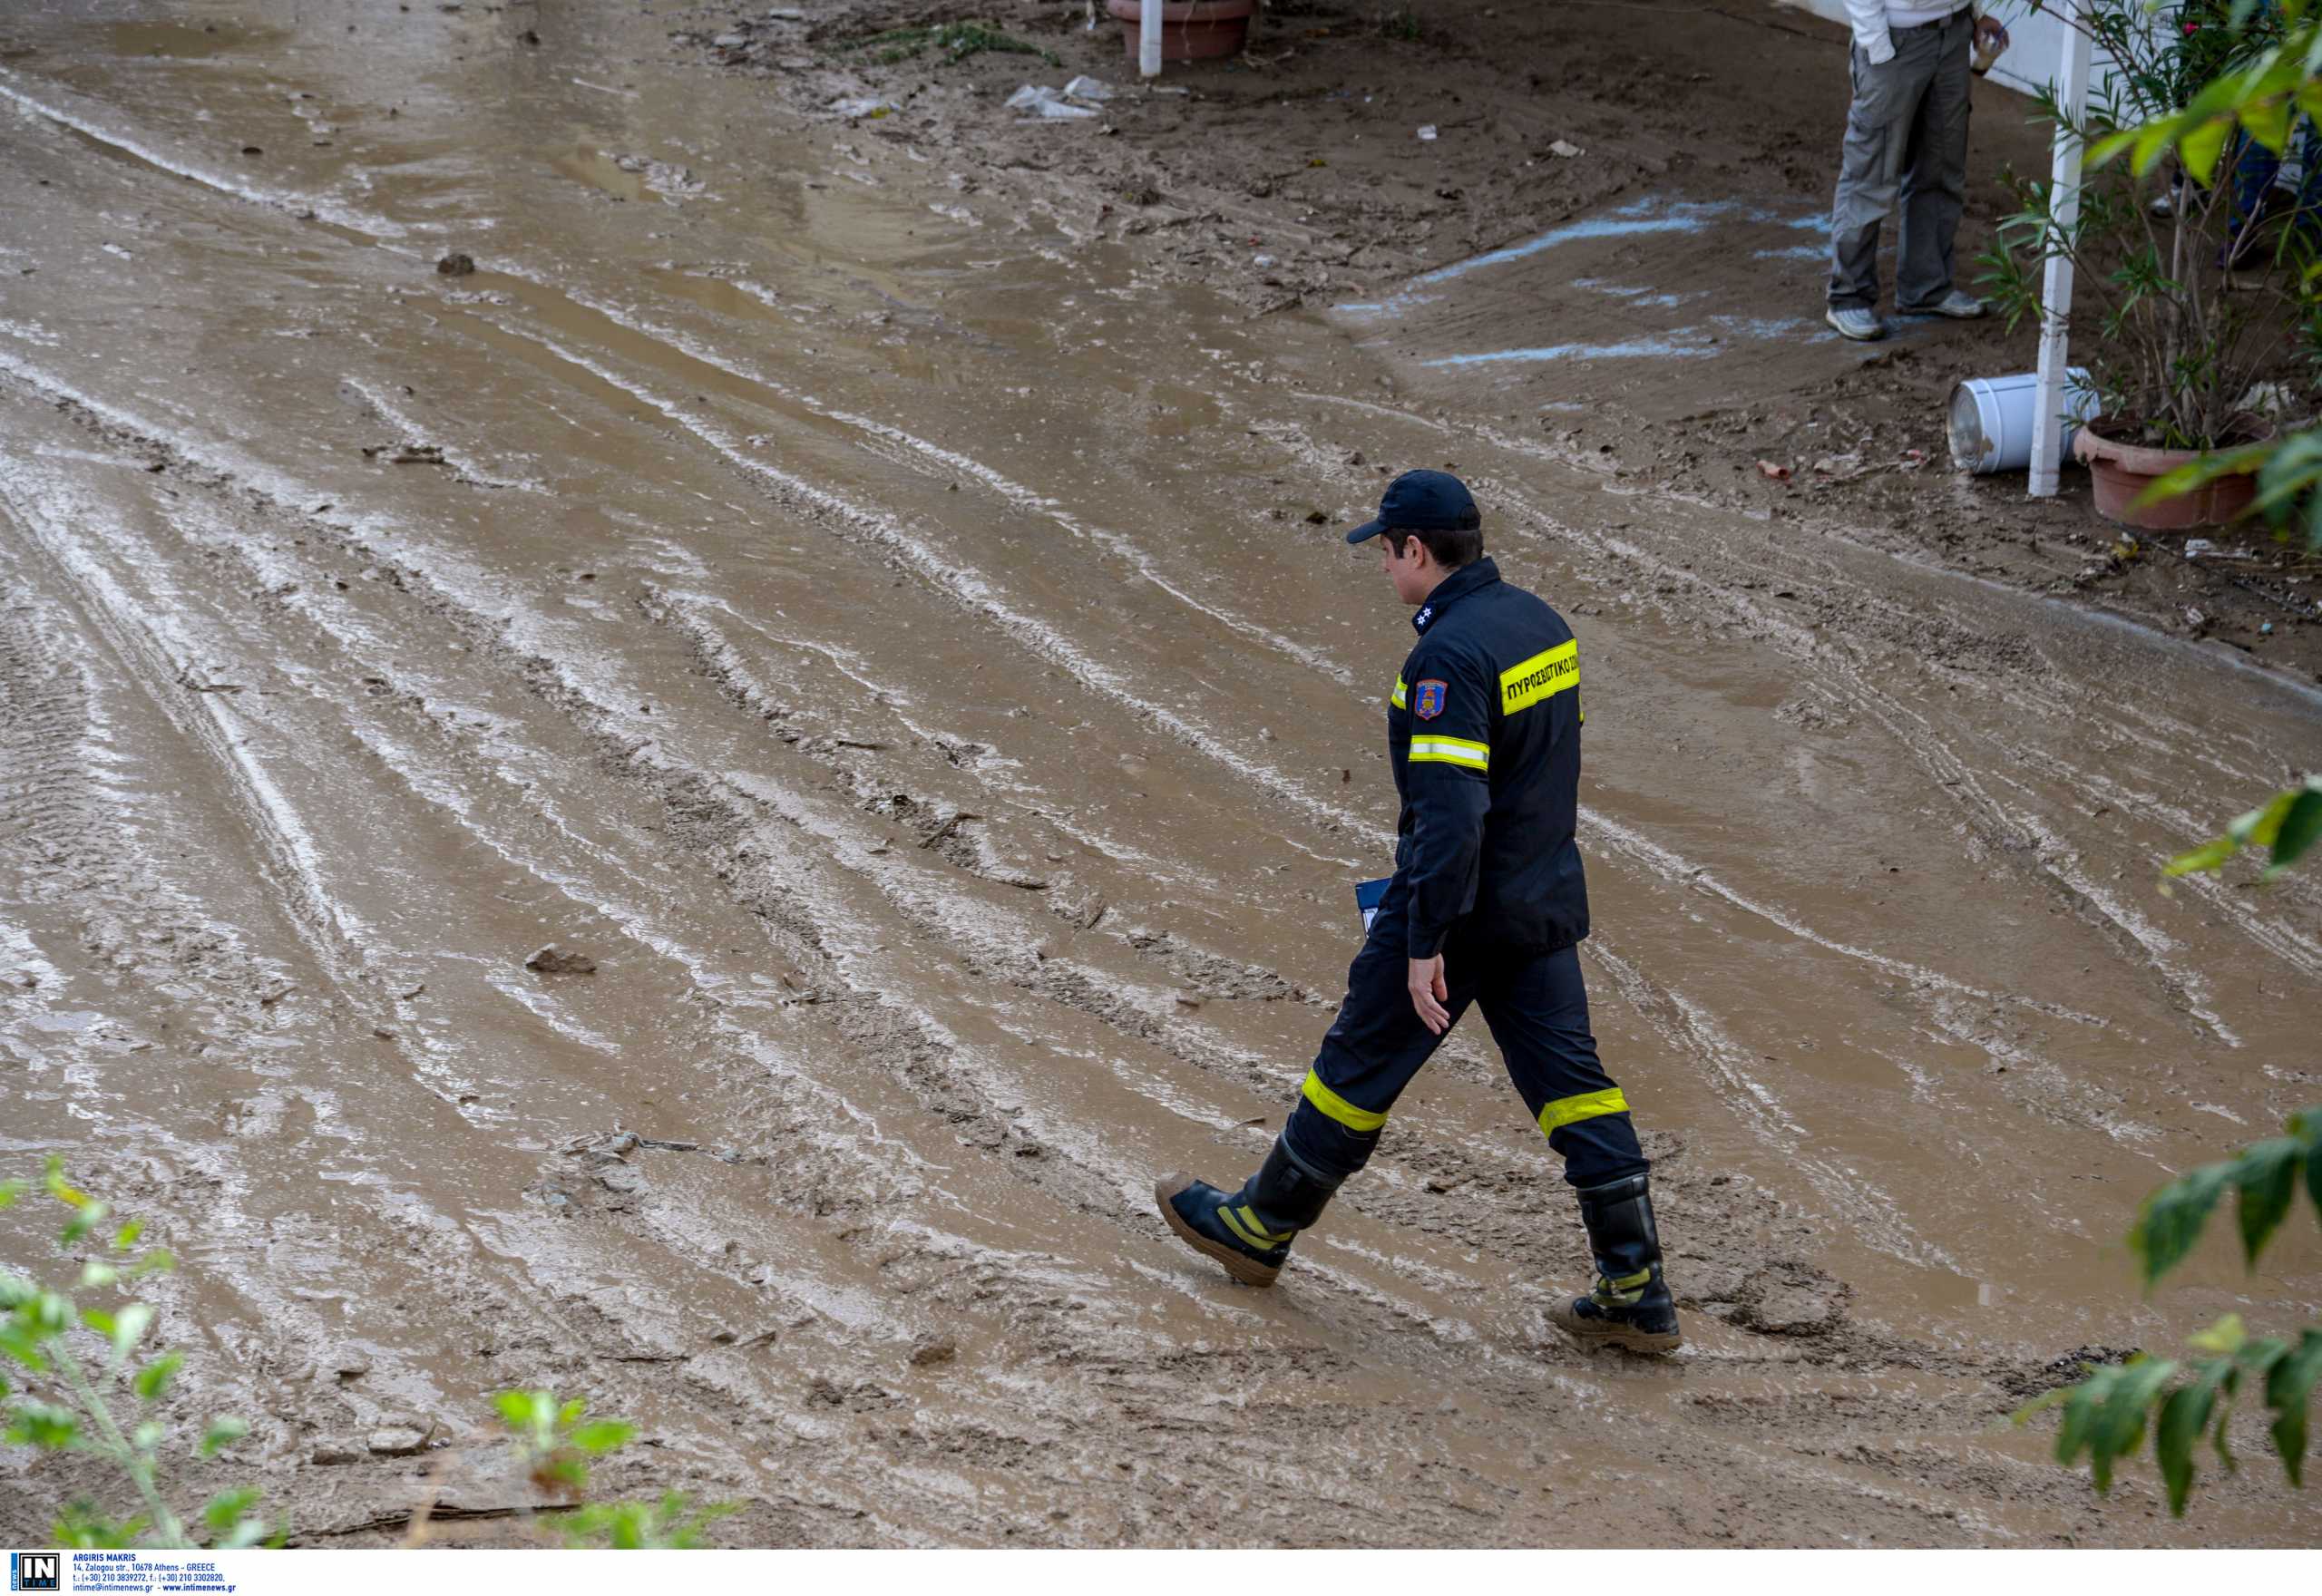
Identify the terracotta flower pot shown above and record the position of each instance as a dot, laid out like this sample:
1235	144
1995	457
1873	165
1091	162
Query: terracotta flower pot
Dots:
2124	470
1191	30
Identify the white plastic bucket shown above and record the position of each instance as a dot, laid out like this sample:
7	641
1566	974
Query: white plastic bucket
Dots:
1991	419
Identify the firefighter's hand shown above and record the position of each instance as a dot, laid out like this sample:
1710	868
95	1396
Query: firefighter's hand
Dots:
1428	993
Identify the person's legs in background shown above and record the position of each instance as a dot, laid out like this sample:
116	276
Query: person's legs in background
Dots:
1879	117
1935	179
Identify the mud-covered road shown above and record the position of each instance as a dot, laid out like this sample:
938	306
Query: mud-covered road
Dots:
882	629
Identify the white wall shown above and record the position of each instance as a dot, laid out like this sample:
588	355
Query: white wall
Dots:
2035	49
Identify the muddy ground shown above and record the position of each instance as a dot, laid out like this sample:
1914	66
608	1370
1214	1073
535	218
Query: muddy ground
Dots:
1662	173
884	612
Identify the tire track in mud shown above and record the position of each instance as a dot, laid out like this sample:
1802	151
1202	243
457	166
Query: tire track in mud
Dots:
923	455
482	1296
143	930
967	587
859	1021
1351	1290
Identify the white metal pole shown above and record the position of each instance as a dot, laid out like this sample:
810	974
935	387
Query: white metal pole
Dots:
2056	291
1148	39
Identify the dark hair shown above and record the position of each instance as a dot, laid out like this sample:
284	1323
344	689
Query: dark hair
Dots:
1452	548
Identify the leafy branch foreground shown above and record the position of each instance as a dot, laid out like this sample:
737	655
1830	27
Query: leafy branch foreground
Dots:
2107	1414
75	1407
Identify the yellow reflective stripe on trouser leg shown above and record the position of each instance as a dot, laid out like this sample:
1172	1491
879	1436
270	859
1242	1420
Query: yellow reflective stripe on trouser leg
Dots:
1567	1110
1402	693
1450	751
1359	1120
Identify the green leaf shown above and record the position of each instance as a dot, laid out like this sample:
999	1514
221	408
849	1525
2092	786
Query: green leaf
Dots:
148	1435
2171	1219
249	1533
98	1320
669	1525
2149	142
95	1276
2184	1420
22	1345
2265	1177
225	1510
565	1472
154	1378
2208	856
2288	1389
42	1425
81	1527
2205	469
2314	1166
223	1432
2224	1338
2201	147
2299	828
10	1190
156	1261
87	1217
515	1407
602	1436
2119	1425
54	1177
130	1327
570	1412
48	1313
126	1237
2267	121
2082	1404
2041	1403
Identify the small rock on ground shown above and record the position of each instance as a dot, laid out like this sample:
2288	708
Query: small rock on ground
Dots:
554	961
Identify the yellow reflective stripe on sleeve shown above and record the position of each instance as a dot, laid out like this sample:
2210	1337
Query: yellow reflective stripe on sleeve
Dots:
1402	693
1543	676
1450	751
1360	1119
1567	1110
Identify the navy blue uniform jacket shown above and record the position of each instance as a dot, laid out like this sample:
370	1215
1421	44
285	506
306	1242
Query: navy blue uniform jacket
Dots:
1484	729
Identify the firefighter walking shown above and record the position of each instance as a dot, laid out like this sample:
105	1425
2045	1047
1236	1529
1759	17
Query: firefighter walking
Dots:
1487	907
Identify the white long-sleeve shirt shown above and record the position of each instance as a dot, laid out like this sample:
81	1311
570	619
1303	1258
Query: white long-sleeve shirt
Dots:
1873	20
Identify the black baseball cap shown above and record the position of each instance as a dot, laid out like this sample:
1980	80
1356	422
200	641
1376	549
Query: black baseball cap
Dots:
1422	501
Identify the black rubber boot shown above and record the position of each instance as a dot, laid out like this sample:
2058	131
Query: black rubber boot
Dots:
1631	1306
1249	1231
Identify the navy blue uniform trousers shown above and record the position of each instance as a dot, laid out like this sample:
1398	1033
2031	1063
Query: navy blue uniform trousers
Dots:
1537	1009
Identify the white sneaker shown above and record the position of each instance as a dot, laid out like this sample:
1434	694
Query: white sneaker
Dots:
1863	326
1958	305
